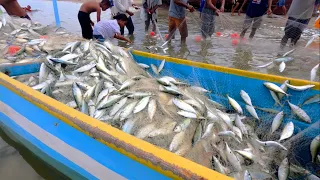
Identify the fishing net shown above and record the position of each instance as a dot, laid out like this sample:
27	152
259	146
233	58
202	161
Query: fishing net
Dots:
200	141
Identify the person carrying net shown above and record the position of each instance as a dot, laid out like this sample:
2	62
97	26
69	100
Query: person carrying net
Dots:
299	14
255	11
150	13
177	19
208	13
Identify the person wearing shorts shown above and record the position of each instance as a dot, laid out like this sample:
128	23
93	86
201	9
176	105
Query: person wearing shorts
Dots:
255	11
84	15
177	19
299	14
235	5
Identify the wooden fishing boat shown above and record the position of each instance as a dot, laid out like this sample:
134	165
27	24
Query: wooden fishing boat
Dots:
82	147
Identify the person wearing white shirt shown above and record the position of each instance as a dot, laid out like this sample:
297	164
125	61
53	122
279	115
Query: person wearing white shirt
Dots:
122	7
109	29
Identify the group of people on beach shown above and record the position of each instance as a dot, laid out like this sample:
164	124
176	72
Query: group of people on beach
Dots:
299	15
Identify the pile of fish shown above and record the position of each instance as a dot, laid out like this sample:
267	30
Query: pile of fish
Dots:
104	82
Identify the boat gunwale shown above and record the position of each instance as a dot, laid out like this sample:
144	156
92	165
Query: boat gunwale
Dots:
228	70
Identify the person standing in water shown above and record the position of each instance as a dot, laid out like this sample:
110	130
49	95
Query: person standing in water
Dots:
299	15
177	18
122	7
109	29
208	14
13	8
281	4
84	15
235	5
150	7
255	11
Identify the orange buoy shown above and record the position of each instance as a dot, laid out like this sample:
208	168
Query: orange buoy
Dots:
197	38
44	37
13	49
317	23
152	33
235	42
218	34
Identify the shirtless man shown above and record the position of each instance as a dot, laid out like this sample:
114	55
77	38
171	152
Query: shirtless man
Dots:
208	14
13	8
84	15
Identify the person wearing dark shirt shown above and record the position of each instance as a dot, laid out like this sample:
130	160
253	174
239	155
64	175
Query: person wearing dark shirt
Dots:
255	11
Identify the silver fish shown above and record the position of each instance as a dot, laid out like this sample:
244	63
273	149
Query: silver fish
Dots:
109	101
128	83
283	170
144	66
183	105
84	107
187	114
287	131
252	111
247	175
118	106
77	94
144	131
234	161
240	125
299	88
300	113
170	90
245	154
284	59
313	99
313	72
197	134
235	105
164	130
176	141
127	111
208	131
88	95
274	88
265	65
277	120
141	104
289	52
161	66
92	108
315	148
154	69
218	166
128	125
182	126
152	107
246	98
284	87
199	89
85	68
102	95
282	66
271	144
228	134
